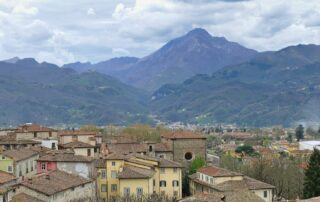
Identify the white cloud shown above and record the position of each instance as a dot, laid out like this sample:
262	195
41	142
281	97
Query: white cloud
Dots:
91	12
61	31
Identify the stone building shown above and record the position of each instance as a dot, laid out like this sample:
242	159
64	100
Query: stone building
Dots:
7	181
185	145
58	186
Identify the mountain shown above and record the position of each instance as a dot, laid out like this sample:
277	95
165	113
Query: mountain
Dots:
280	87
47	94
197	52
114	66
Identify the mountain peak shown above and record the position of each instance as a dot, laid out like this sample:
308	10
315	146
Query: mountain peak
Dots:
12	60
198	32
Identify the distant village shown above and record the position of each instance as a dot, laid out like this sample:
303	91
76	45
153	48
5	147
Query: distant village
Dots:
141	163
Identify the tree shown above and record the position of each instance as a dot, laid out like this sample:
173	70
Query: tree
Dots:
300	132
245	149
197	163
289	138
312	176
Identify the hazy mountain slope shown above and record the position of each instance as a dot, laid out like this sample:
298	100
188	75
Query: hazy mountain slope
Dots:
45	93
272	88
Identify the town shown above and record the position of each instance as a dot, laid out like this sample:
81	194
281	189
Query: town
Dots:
142	163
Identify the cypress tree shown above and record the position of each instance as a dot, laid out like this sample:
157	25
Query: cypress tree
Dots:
312	176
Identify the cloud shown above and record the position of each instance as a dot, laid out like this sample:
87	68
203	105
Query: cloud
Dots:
61	31
91	12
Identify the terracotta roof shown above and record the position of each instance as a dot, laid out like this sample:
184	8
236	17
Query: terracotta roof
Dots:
22	197
55	181
254	184
20	154
41	150
204	197
183	135
116	156
100	163
165	163
217	172
127	148
65	157
163	147
6	177
132	172
76	132
11	139
136	161
34	128
77	144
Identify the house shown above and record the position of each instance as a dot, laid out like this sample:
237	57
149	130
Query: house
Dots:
68	162
22	197
58	186
138	175
7	181
10	142
234	196
84	138
186	146
100	165
35	131
80	148
212	179
19	162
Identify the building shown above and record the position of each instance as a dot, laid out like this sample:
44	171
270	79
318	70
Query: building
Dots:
232	196
81	140
35	131
7	181
214	180
80	148
185	145
19	162
309	145
58	186
101	166
50	143
68	162
139	175
9	142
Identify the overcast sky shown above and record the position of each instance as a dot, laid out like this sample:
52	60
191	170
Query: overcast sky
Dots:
93	30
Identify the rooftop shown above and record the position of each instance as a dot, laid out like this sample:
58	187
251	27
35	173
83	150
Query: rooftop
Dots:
77	144
217	172
6	177
183	135
76	132
34	128
65	157
127	148
55	181
20	154
133	172
22	197
100	163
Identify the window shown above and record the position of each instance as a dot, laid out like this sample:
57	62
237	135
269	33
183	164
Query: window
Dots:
162	170
53	145
211	180
207	178
50	134
31	166
103	173
163	183
113	188
175	170
27	167
126	191
113	174
139	191
43	166
154	182
88	152
265	194
113	163
3	157
175	183
35	134
10	169
188	156
103	188
161	156
150	148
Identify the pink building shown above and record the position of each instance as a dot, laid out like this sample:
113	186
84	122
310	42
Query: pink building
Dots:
46	166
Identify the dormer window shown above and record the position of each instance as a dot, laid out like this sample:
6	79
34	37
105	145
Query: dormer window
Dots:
150	148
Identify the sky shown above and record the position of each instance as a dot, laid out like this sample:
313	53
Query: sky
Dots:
85	30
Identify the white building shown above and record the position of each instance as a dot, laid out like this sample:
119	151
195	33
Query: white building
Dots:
51	144
309	145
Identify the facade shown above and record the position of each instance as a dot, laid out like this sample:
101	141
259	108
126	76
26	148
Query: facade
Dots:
186	146
9	142
214	180
20	162
80	148
67	162
139	175
7	181
50	143
309	145
101	168
34	131
59	187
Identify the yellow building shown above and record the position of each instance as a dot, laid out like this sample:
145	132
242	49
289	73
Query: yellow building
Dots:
139	175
